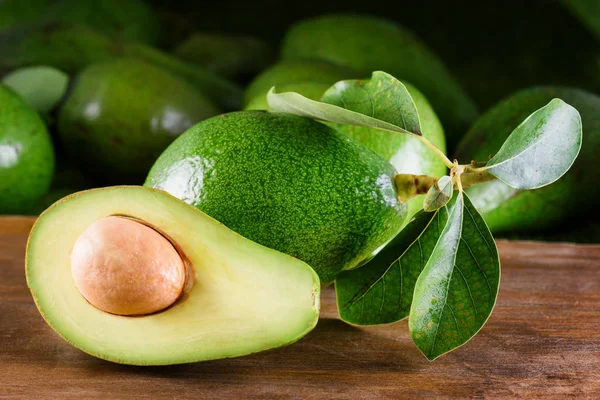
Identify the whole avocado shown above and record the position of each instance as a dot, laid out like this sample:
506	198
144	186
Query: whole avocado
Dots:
286	182
120	115
406	153
508	210
26	155
369	44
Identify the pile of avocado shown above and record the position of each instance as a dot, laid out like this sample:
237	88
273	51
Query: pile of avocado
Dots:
101	117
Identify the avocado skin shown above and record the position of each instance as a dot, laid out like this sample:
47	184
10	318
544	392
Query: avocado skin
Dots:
120	115
286	182
26	155
71	47
370	44
297	72
407	154
509	210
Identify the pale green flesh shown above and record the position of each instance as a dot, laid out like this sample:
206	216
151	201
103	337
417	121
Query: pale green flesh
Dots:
246	298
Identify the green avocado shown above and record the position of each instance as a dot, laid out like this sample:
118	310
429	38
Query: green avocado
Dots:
508	210
26	155
406	153
70	48
239	297
119	19
120	115
310	78
370	44
287	182
234	57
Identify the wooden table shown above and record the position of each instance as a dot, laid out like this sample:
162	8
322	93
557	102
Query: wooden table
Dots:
543	340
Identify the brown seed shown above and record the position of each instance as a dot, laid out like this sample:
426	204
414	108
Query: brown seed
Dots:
124	267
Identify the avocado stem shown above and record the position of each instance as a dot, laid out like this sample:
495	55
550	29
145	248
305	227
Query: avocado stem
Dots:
449	164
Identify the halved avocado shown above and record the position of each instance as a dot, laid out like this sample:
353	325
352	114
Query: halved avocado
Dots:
239	297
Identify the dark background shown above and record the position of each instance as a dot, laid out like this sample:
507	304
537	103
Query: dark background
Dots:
493	47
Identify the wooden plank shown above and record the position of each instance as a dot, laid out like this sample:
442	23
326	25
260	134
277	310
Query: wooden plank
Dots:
543	340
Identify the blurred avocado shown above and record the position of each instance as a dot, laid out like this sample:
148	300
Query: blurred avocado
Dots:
26	155
509	210
40	86
70	48
369	44
120	115
308	77
234	57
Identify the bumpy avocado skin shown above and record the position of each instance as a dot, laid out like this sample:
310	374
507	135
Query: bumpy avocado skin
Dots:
288	183
26	155
71	48
120	19
369	44
297	72
120	115
506	209
406	153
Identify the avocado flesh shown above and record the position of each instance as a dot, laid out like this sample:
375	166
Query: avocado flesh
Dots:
369	44
287	182
406	153
244	298
70	48
121	114
509	210
26	155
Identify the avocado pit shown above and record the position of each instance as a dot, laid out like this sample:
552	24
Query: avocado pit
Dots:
123	267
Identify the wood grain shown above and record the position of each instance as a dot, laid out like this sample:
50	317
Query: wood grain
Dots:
542	341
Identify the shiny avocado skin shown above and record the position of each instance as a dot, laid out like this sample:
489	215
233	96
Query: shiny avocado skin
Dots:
120	115
368	44
286	182
26	155
509	210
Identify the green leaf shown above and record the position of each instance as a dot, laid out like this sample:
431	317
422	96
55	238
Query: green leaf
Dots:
381	102
41	87
381	291
541	149
439	194
456	292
